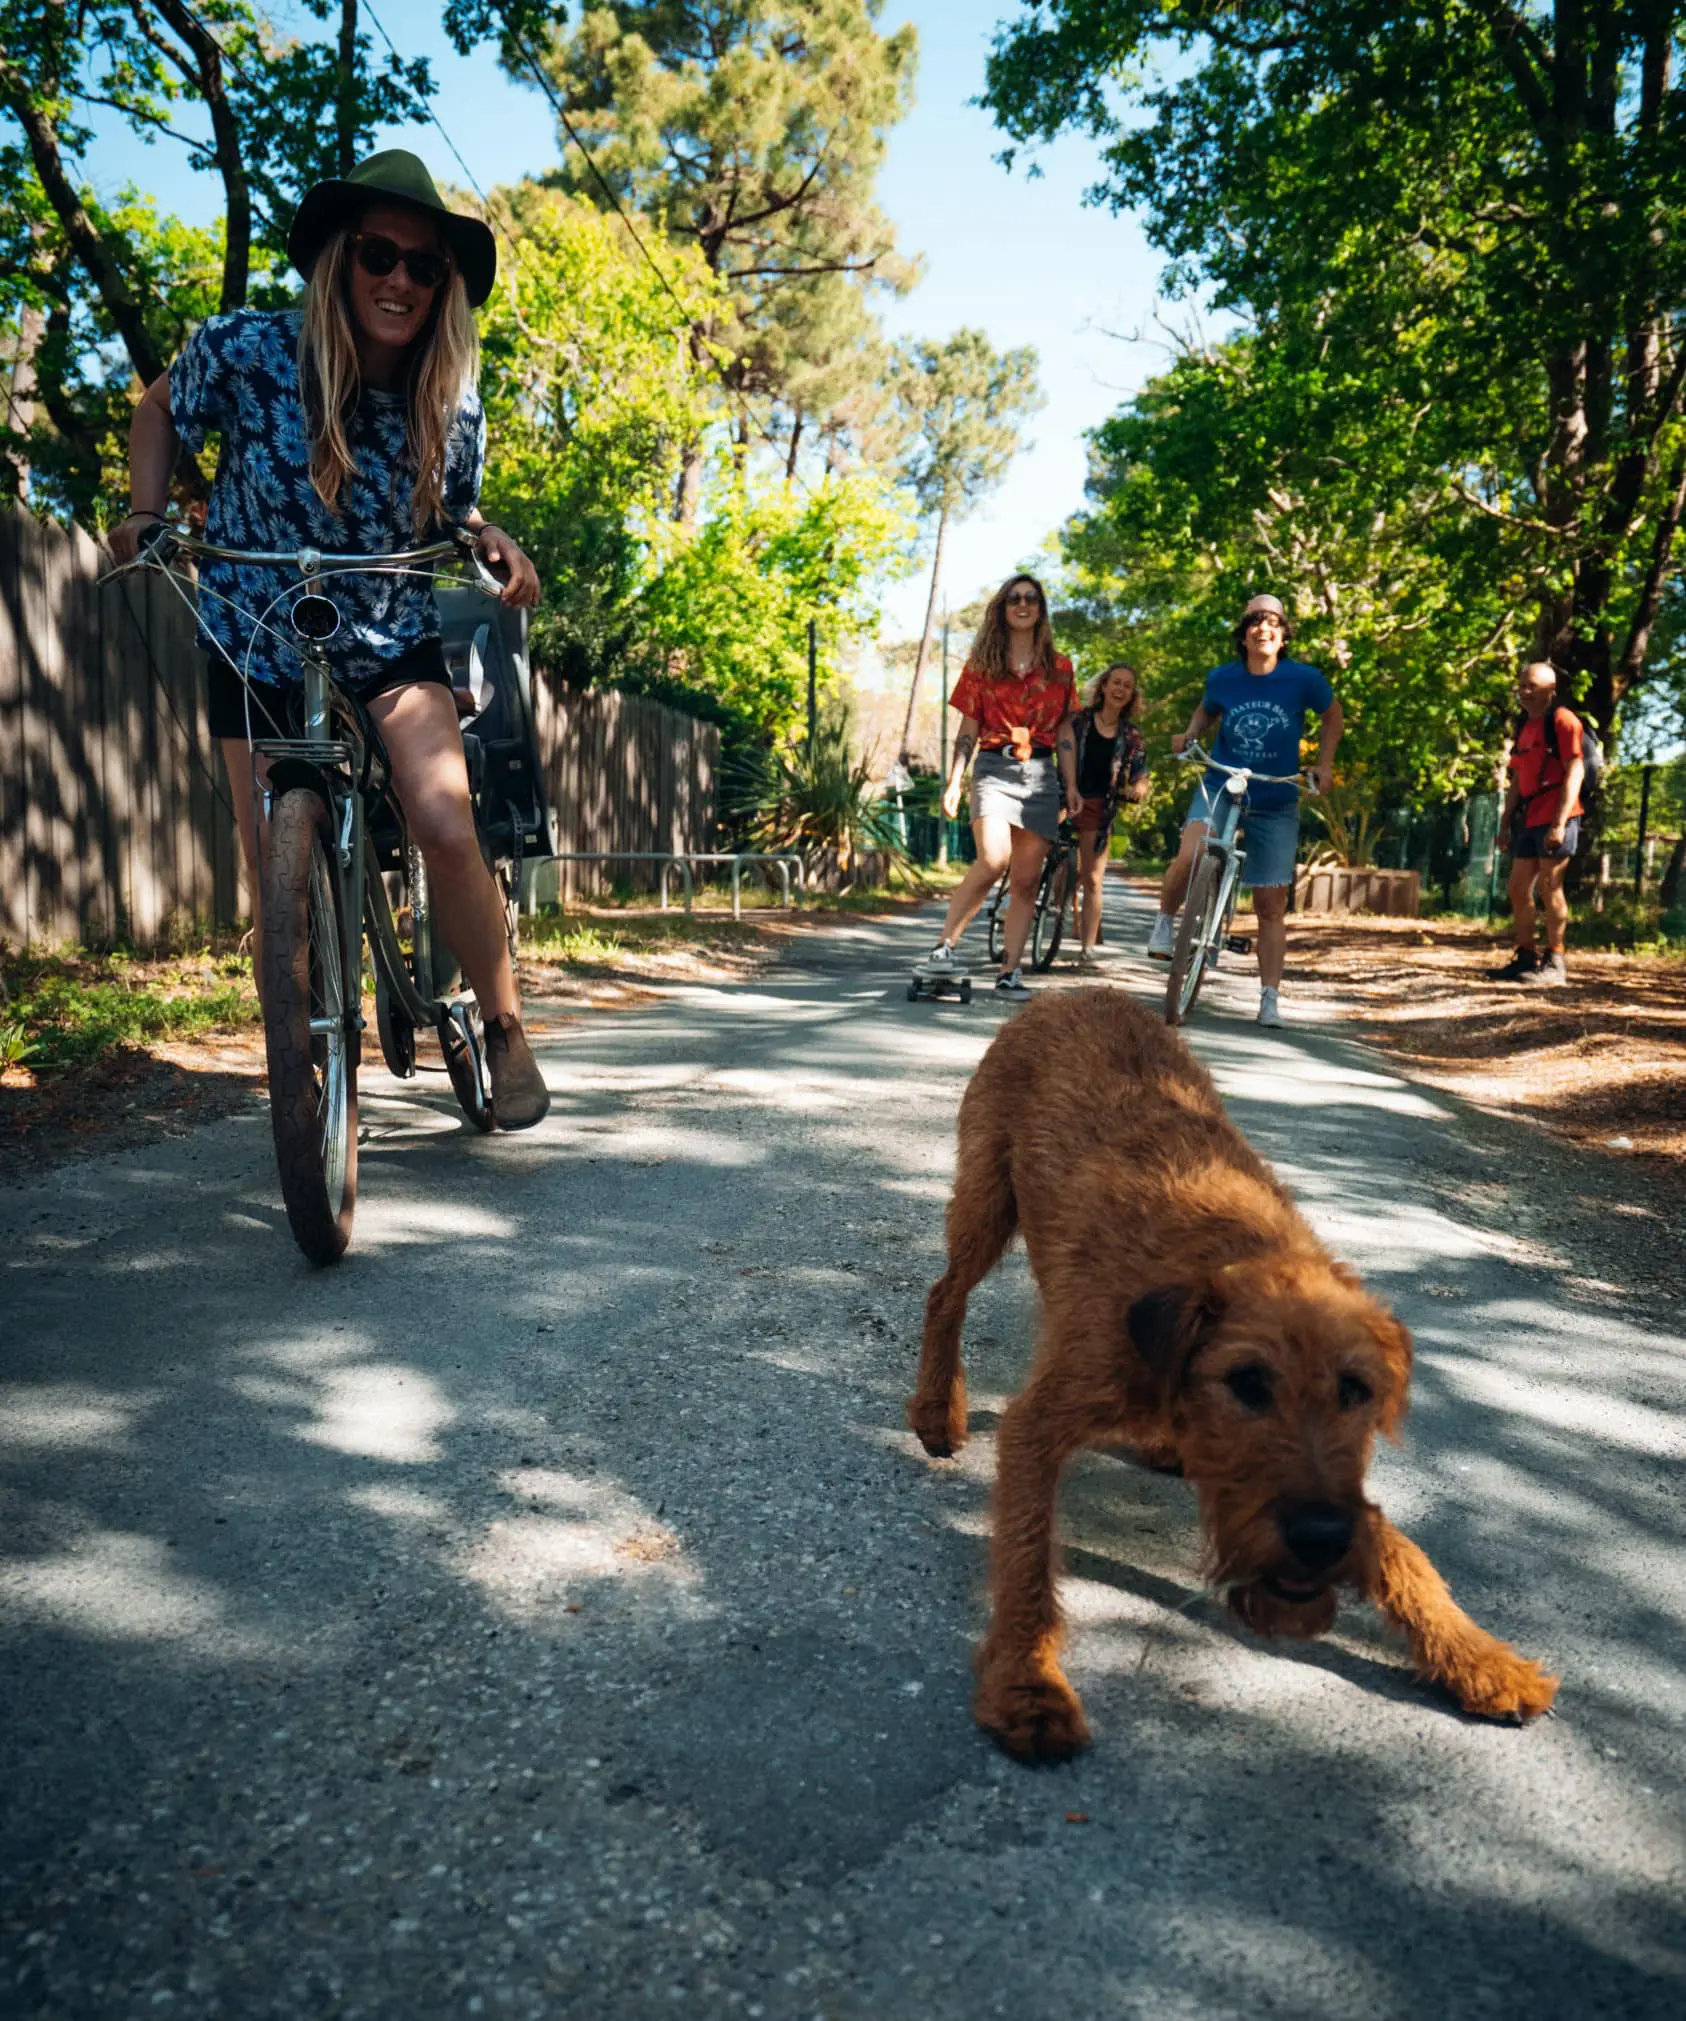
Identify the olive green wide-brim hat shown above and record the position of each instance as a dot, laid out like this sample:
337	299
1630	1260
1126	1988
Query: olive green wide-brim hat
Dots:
401	178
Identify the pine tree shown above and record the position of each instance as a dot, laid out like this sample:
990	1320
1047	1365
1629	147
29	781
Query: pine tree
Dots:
752	130
965	404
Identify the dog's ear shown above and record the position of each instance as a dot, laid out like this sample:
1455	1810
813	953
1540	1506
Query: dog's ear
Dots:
1394	1340
1168	1328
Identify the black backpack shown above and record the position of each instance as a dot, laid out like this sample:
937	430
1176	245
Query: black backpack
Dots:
1592	751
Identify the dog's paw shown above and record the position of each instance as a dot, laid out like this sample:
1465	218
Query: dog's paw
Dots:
1035	1718
1497	1683
939	1426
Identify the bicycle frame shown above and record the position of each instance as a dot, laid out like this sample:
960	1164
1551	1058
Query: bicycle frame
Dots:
1198	946
350	772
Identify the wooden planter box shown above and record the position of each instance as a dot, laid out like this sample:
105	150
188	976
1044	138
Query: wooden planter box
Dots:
1396	892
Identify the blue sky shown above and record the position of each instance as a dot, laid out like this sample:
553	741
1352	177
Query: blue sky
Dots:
1020	258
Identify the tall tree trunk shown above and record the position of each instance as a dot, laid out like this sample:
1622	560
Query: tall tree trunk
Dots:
87	241
925	636
795	439
207	78
20	401
687	497
345	98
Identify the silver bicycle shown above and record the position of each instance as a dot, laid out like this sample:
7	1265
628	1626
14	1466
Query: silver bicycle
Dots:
1203	933
336	830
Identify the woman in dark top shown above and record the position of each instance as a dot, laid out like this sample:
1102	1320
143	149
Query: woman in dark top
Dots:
1111	766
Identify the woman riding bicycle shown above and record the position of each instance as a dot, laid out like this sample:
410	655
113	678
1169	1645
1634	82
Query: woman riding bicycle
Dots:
1016	700
1111	767
354	425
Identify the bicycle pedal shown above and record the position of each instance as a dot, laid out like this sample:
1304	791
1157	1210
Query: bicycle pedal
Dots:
1238	943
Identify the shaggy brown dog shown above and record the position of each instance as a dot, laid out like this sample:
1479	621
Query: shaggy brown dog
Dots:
1187	1311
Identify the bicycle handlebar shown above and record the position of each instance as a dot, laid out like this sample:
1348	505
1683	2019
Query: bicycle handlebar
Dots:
311	561
1193	754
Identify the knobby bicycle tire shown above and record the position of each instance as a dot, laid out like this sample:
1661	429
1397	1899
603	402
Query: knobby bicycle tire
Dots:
1194	930
312	1074
1048	928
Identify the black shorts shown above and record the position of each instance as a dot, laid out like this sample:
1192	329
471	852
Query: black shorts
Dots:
1529	844
226	692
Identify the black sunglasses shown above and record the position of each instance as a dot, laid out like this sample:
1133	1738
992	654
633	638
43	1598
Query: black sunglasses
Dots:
377	257
1025	596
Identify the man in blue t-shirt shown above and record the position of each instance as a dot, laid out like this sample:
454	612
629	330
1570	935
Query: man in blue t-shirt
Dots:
1260	702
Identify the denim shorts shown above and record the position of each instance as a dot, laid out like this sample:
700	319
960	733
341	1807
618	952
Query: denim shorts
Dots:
1270	837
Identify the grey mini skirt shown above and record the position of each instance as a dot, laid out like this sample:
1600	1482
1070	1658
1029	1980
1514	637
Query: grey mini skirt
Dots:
1024	794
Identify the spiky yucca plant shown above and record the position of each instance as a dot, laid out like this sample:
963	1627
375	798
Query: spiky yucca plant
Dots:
821	805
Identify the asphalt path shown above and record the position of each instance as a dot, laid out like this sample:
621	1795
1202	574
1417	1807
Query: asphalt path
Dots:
546	1612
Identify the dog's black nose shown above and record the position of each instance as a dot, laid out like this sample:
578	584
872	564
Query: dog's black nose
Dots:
1318	1534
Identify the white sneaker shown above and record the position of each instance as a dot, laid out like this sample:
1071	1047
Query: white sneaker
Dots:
1011	982
940	961
1270	1009
1088	958
1159	946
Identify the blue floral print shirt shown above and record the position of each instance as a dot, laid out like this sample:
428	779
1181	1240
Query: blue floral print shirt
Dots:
238	375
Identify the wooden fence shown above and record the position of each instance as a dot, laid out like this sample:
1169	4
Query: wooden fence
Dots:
114	817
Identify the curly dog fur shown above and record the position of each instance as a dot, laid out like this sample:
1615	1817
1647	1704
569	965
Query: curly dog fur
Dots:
1188	1311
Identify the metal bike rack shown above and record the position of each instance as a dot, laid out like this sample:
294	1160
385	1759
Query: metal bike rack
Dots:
682	860
667	858
782	860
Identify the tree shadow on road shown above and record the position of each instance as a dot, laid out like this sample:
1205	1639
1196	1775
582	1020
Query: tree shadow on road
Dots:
575	1512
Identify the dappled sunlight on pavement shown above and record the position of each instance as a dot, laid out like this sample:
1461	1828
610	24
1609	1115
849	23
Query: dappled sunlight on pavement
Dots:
547	1608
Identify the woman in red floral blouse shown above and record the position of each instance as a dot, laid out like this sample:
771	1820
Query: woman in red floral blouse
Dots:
1016	699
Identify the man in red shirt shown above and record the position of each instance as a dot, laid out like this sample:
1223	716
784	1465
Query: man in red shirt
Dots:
1542	815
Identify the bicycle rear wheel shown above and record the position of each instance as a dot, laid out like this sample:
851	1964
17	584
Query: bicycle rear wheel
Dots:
1194	935
310	1008
1052	897
997	924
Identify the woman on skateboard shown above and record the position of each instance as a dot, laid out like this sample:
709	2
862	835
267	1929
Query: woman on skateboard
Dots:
1017	702
1111	767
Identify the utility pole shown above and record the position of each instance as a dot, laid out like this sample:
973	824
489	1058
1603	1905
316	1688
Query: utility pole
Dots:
813	705
1644	826
942	762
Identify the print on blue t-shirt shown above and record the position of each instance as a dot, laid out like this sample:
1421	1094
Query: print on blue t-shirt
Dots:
1263	721
239	375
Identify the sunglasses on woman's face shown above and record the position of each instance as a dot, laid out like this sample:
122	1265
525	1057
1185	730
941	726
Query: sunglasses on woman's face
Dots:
377	257
1021	596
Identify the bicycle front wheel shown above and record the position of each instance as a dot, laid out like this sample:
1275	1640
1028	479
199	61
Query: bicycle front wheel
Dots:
1048	927
310	1006
1194	935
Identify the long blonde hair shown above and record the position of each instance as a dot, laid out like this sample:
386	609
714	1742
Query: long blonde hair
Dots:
1097	690
444	366
989	654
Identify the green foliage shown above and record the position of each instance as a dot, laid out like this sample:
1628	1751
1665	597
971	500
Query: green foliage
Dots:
1242	469
590	398
752	132
964	404
820	803
1352	827
1464	220
70	1010
727	606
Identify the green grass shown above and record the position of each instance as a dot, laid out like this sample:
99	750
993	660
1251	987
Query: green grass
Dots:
72	1008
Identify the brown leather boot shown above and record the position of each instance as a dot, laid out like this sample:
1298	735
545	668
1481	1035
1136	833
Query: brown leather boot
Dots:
519	1095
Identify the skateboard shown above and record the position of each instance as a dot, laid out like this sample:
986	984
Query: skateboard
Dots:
939	986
